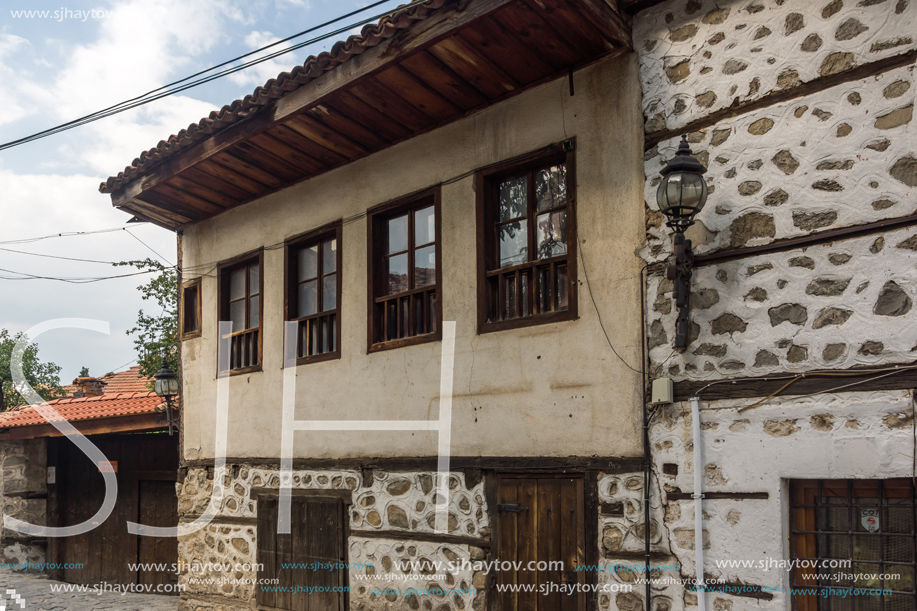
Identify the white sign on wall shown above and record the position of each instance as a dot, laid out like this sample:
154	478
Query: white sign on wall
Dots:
869	518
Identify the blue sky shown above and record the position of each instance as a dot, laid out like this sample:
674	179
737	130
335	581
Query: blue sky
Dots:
81	57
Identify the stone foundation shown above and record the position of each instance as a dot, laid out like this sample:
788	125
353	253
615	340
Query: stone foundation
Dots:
392	519
23	493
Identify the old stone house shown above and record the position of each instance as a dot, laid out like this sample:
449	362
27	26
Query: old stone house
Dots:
473	183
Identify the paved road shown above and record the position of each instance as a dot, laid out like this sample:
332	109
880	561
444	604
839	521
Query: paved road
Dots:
36	592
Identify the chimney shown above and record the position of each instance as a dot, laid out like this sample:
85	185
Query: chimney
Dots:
88	387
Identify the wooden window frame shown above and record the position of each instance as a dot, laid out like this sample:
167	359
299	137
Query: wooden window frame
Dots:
345	496
804	531
375	217
316	236
191	285
223	268
485	187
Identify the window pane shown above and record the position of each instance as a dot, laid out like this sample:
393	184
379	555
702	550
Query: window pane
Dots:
307	263
253	311
191	324
424	226
308	298
563	295
237	284
396	274
254	286
397	231
513	243
512	198
425	266
552	234
551	188
237	315
329	292
329	256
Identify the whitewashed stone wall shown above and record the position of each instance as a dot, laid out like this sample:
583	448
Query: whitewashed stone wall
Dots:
840	157
621	542
832	154
23	491
392	502
834	436
700	56
829	306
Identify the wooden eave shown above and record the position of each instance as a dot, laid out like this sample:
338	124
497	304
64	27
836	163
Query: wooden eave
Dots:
466	56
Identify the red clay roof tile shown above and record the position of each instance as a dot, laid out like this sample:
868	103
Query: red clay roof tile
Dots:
316	65
88	408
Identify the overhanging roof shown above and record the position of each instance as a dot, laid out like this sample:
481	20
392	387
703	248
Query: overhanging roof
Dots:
423	67
113	412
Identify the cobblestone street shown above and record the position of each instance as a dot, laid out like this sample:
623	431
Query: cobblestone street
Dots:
35	591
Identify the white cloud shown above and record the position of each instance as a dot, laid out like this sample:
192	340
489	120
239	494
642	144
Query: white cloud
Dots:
260	73
45	204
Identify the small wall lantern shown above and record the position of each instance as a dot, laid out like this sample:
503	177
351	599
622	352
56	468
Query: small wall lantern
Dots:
166	386
681	195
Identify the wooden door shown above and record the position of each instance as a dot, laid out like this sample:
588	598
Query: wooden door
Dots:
540	520
157	508
146	469
318	535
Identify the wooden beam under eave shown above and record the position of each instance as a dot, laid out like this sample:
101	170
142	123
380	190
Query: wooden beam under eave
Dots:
116	424
610	20
419	36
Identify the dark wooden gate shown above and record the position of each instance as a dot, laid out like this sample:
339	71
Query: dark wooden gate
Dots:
146	470
540	519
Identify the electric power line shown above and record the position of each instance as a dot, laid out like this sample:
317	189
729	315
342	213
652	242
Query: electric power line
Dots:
171	89
38	254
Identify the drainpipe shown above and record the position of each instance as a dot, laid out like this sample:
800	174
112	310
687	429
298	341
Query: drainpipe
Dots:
698	506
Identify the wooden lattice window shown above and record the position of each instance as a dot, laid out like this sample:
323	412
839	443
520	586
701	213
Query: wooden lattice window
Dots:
527	241
405	286
240	303
865	531
314	294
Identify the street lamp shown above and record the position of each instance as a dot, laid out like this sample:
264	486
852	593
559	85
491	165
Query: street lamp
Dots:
166	386
681	195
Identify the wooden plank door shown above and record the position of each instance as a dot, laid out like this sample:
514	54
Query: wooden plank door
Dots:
146	473
157	508
540	520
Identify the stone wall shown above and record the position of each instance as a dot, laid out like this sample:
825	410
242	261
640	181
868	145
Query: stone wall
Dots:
843	435
833	156
802	112
702	56
23	493
392	502
399	504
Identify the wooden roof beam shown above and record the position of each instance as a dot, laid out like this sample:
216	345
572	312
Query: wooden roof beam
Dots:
419	36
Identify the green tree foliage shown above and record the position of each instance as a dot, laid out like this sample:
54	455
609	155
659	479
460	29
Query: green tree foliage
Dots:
84	372
156	337
42	377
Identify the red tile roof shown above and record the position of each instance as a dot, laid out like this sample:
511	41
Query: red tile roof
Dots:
123	381
86	408
314	67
